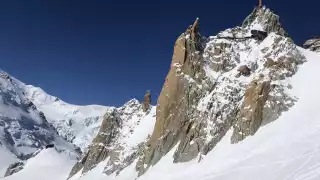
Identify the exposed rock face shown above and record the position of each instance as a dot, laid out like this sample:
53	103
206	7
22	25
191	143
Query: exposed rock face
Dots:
14	168
49	146
259	35
98	150
251	111
244	70
178	97
115	139
313	44
203	96
147	101
269	19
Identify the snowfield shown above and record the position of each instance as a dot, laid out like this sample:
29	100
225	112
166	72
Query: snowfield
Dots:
6	158
77	124
47	165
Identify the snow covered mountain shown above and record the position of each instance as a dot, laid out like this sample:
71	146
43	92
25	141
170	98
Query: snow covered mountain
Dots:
238	105
77	124
219	91
23	128
30	119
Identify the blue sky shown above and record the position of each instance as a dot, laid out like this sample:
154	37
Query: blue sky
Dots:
107	52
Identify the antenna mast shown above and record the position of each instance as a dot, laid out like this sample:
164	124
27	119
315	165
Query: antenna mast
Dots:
260	4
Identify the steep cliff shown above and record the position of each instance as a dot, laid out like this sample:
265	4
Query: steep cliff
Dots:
229	81
233	82
123	130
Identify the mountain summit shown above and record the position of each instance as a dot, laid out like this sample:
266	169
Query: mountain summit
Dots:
234	81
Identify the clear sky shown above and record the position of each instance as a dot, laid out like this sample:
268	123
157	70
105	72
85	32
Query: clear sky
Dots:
107	52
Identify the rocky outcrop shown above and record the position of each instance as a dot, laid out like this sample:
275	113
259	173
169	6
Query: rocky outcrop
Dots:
98	150
116	143
263	19
178	97
14	168
203	96
259	35
231	81
49	146
244	70
146	101
251	112
313	44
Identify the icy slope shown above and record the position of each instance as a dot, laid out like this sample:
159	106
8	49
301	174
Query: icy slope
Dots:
286	149
7	158
47	165
77	124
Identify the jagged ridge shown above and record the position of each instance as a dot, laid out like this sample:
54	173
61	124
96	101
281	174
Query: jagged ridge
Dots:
235	81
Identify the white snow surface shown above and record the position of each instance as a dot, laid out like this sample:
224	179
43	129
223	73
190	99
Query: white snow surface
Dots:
77	124
286	149
6	159
47	165
23	128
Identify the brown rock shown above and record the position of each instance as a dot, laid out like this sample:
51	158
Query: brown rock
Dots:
98	150
250	115
312	44
178	95
146	101
244	70
269	63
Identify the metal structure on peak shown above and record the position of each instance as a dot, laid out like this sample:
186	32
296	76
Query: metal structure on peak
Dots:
260	4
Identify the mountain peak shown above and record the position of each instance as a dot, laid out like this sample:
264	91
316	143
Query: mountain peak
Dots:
263	19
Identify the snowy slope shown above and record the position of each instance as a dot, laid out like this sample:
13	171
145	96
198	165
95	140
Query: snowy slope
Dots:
47	165
77	124
7	158
286	149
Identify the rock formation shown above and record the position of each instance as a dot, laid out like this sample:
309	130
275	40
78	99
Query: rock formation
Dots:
98	150
14	168
146	101
228	82
244	70
113	139
178	97
313	44
203	97
271	21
